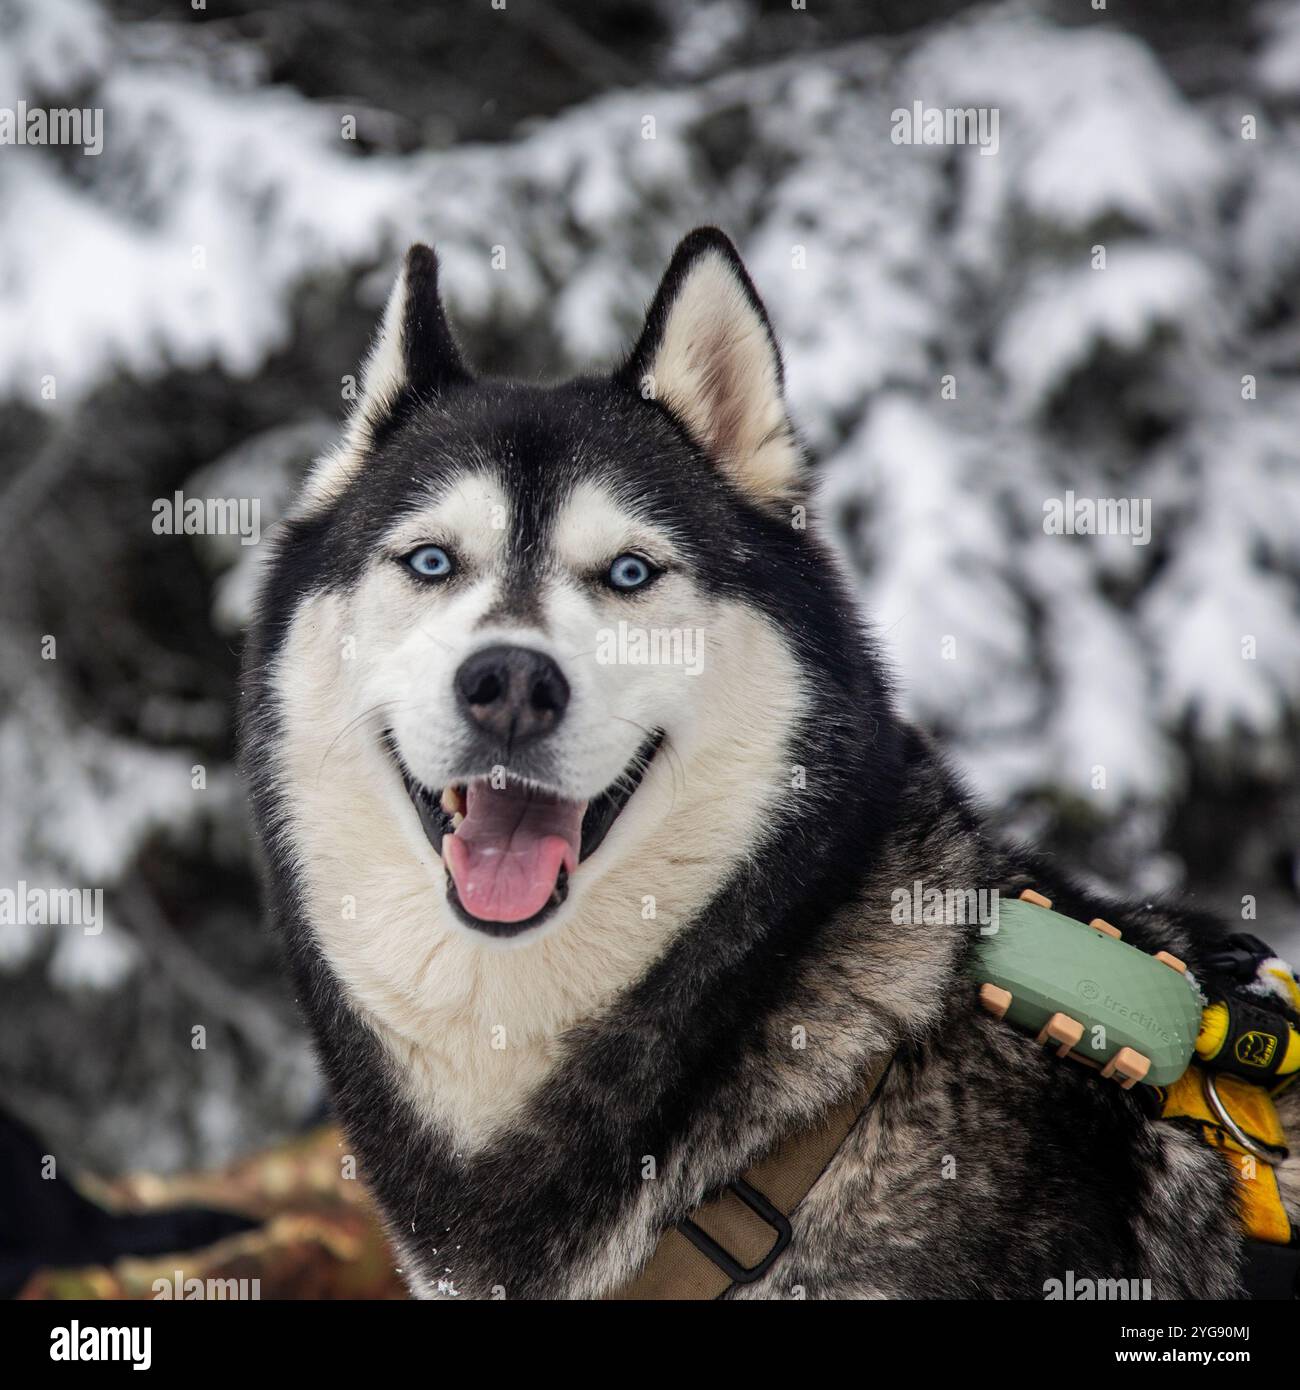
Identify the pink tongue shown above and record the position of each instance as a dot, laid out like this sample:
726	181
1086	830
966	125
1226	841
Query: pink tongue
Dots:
506	855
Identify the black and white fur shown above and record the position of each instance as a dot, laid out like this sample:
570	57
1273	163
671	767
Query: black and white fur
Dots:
532	1112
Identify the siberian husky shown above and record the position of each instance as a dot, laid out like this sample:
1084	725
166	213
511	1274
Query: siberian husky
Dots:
586	810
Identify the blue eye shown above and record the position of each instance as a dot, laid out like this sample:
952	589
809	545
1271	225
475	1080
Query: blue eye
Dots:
429	562
630	572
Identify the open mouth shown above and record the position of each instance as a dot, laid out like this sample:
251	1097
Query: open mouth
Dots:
509	849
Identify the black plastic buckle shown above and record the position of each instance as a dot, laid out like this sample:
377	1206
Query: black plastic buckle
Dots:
1238	956
762	1208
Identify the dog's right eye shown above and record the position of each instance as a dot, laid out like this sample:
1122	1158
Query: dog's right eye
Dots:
429	562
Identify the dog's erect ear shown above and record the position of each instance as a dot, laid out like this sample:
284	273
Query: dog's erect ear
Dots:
413	358
708	354
413	353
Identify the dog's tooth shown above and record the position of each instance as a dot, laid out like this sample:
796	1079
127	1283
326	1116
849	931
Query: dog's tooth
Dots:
456	820
452	800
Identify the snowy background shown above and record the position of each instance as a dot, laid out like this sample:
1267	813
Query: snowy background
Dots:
181	312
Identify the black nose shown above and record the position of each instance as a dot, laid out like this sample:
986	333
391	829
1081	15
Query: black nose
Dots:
512	693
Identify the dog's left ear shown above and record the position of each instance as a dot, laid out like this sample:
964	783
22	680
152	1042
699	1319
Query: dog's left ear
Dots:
708	354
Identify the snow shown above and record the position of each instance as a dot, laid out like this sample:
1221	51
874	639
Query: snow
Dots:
1091	125
209	203
1064	316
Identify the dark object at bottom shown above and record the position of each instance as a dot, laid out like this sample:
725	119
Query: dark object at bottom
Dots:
1271	1271
46	1222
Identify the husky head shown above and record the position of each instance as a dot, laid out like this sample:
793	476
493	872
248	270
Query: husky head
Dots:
536	662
